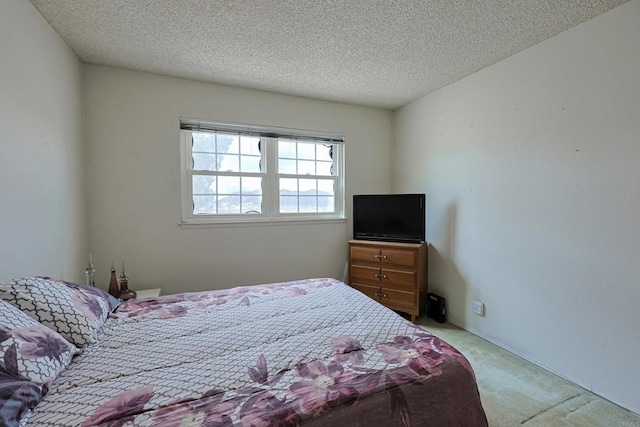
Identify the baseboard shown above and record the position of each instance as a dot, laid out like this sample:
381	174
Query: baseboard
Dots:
513	351
461	325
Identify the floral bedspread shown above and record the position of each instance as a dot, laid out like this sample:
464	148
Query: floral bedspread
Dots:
309	352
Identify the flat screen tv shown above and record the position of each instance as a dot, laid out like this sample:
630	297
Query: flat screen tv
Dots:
389	217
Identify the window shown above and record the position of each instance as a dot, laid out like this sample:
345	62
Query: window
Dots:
242	173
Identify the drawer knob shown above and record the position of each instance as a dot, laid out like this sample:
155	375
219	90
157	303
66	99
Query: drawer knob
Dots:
376	294
384	276
376	256
384	257
376	275
384	296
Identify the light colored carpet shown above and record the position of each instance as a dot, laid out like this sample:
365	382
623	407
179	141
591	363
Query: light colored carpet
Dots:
516	392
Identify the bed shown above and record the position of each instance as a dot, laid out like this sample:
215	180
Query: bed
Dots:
311	352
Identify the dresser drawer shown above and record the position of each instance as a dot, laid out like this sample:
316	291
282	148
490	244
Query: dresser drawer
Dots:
372	292
361	273
397	278
361	253
399	257
399	298
391	297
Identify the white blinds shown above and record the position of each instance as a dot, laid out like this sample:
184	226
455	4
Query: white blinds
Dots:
260	131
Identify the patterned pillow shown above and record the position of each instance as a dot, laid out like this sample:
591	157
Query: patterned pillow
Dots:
111	300
74	313
29	350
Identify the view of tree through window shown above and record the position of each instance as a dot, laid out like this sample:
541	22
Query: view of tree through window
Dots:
237	186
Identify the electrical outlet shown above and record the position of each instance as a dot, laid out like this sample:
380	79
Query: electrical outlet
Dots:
477	307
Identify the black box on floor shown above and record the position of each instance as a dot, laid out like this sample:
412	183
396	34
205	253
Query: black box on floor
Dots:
436	307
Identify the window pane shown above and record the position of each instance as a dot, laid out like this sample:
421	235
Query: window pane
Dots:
249	164
229	185
251	204
204	141
204	184
228	143
229	204
228	163
287	166
306	167
249	145
307	186
325	186
306	151
324	168
251	185
204	204
308	204
204	162
325	204
288	186
323	152
288	204
286	149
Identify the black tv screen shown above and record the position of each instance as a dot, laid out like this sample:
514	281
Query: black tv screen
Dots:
389	217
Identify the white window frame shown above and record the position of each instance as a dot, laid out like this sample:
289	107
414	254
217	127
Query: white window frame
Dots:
270	194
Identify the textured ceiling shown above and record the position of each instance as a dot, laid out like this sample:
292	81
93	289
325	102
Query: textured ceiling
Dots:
381	53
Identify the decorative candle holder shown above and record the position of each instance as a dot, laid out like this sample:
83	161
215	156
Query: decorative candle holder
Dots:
90	273
114	290
125	292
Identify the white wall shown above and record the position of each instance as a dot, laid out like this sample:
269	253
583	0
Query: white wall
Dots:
42	203
532	173
132	131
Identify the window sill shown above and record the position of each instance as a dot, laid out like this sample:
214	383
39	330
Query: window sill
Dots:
261	222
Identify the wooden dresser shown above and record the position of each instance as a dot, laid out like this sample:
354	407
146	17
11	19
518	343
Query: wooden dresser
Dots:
394	274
